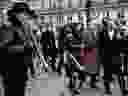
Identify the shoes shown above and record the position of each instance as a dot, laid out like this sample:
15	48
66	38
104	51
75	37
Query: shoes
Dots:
125	92
108	92
76	92
93	85
107	95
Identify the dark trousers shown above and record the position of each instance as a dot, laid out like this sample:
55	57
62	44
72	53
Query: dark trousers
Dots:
45	50
123	74
110	60
60	65
28	62
107	73
52	52
31	69
14	75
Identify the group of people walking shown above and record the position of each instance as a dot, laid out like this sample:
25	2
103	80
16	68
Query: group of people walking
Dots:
21	44
18	45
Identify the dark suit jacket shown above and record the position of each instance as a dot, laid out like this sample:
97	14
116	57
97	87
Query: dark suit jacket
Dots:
12	61
48	39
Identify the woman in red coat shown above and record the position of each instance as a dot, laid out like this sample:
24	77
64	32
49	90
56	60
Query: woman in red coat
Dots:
89	60
89	56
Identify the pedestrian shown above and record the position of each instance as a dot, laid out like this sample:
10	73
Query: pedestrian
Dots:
14	50
108	55
48	46
60	50
89	61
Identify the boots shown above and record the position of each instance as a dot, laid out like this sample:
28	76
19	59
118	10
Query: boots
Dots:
107	87
93	81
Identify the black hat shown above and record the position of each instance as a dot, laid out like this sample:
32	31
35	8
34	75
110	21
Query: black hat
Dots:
21	7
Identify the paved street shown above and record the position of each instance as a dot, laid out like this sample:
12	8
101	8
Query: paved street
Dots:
53	85
50	85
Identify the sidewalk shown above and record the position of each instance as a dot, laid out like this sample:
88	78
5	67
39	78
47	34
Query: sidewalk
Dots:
47	84
51	85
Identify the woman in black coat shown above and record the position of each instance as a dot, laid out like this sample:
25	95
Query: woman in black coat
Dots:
14	51
49	46
109	55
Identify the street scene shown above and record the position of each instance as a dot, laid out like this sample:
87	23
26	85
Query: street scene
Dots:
63	47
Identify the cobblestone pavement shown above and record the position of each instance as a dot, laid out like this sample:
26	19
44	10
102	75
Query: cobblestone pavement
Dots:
47	84
44	85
